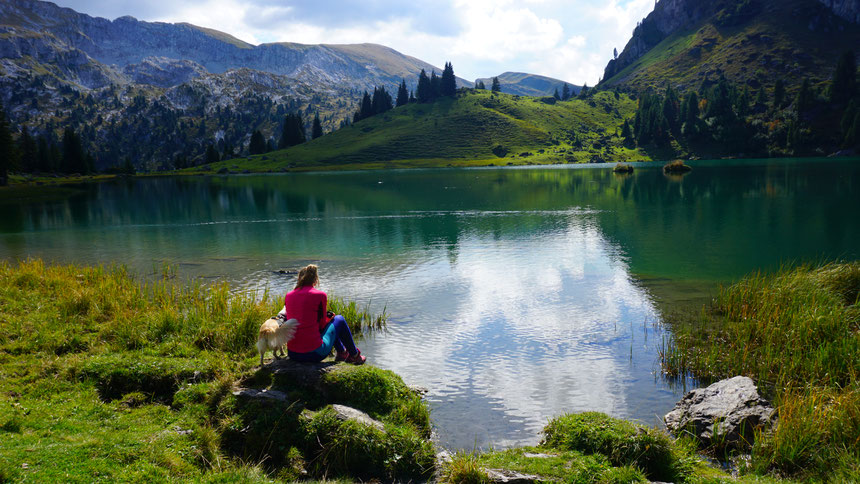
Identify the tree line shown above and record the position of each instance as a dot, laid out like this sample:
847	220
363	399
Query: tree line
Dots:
722	116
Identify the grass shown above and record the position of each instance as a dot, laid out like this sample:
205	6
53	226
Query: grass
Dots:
797	333
592	447
475	128
108	377
774	43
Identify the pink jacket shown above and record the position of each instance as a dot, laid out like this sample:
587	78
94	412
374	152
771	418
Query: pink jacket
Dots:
308	306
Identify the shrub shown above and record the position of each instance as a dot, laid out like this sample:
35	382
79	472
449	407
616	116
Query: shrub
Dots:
351	448
159	377
622	442
464	468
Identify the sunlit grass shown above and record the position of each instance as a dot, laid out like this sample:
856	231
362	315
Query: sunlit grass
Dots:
797	333
109	376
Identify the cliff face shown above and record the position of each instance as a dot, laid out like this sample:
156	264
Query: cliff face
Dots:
749	41
847	9
128	42
668	16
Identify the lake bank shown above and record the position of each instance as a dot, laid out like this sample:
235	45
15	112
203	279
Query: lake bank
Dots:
142	378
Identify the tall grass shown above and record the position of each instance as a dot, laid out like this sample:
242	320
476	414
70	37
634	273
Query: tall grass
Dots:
72	308
111	376
797	332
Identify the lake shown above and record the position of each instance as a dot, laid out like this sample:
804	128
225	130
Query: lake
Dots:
514	294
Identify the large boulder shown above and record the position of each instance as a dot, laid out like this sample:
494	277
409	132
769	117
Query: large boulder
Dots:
725	414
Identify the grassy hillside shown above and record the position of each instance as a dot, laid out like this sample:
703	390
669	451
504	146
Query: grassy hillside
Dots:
770	40
475	128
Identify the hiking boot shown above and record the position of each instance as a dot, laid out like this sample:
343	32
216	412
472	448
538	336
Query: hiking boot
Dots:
356	359
341	356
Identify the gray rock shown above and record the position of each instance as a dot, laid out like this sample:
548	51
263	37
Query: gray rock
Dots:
261	394
537	456
511	477
348	413
724	414
307	375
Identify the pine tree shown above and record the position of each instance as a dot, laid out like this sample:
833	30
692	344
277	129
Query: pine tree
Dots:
257	145
448	85
761	98
778	94
556	95
497	87
293	131
402	94
74	158
583	93
211	154
29	152
423	92
805	98
671	110
366	109
316	129
7	149
480	85
852	137
565	92
435	86
381	101
844	85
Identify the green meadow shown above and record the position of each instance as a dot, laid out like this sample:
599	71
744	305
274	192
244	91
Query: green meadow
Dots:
473	128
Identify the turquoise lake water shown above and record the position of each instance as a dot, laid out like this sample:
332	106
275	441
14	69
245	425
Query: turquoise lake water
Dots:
514	294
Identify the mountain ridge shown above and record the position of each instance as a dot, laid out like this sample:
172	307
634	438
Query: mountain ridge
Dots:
525	84
755	42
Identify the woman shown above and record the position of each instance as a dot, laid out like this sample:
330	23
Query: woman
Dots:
319	330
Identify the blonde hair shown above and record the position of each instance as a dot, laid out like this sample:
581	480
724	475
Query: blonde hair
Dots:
308	276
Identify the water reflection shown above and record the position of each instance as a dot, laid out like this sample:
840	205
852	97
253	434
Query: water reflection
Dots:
515	294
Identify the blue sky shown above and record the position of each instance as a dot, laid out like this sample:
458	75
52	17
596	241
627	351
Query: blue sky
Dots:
568	40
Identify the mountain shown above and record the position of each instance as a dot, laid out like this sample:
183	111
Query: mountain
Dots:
752	42
524	84
32	26
473	128
157	93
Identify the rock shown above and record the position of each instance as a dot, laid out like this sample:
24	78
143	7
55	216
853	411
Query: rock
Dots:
511	477
261	394
223	171
348	413
536	456
303	374
732	409
848	152
418	390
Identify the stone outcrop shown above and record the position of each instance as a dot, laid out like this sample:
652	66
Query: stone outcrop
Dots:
342	412
725	414
505	476
847	9
260	395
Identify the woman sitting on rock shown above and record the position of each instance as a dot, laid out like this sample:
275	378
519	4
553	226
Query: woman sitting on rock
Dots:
319	329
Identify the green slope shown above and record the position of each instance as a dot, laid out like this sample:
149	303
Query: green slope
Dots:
775	39
475	128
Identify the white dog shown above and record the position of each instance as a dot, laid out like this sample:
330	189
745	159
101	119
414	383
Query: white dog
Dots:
275	333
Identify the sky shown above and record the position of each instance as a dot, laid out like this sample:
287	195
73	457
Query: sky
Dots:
571	40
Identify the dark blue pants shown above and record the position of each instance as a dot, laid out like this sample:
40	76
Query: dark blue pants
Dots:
336	335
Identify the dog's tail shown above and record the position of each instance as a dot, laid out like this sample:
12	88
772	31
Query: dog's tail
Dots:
287	330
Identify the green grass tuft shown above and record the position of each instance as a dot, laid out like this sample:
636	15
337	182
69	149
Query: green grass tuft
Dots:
622	442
